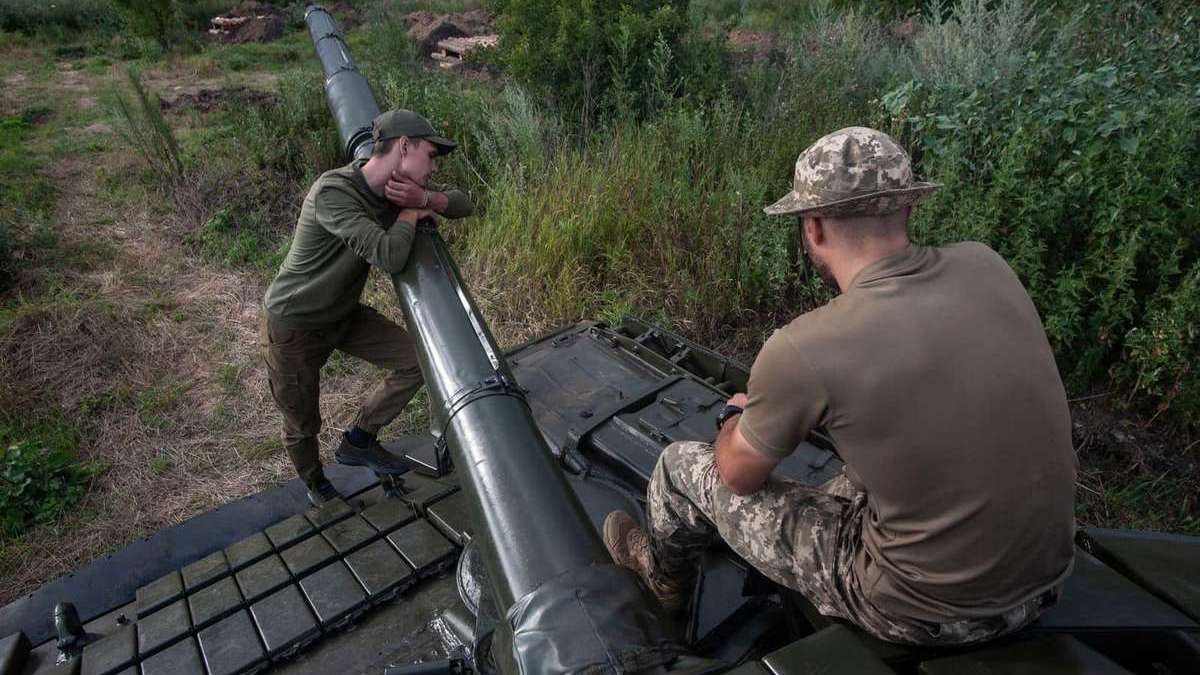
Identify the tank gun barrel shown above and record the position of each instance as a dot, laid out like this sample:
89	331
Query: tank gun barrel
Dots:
538	546
346	89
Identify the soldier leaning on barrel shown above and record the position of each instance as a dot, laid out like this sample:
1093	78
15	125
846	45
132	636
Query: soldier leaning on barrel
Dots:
953	519
353	217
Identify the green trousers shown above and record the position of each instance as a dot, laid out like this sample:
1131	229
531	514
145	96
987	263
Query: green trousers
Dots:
294	358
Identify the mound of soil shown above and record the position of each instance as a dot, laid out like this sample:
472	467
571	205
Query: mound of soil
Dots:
207	100
251	21
346	14
749	46
426	29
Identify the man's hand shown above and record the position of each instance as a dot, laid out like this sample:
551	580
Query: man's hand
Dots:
405	193
742	469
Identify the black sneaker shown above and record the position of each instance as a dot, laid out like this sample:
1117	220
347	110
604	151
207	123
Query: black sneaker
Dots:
373	457
322	491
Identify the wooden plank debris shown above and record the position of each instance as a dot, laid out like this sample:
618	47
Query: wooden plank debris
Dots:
452	51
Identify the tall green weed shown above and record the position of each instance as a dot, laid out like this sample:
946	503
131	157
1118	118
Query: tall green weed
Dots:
157	19
145	129
294	138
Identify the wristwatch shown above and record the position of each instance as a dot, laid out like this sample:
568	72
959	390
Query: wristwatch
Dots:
728	411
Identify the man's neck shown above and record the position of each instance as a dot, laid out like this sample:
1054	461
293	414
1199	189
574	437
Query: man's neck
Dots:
847	270
376	175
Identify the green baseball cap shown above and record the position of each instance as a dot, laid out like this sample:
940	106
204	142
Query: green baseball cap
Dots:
397	123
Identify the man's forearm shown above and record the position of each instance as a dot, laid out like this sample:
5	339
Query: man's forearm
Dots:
721	447
741	468
452	203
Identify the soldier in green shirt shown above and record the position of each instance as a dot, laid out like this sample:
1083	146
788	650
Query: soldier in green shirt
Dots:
355	216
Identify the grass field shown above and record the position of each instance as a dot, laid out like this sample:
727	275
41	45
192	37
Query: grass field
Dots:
134	259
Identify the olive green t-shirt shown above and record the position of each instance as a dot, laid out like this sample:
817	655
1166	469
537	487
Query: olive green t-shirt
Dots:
933	376
343	229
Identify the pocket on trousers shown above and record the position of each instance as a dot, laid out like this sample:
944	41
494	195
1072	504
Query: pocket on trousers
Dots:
285	389
280	337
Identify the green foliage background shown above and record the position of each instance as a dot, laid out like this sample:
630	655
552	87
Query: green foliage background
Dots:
1072	162
592	57
1064	136
166	22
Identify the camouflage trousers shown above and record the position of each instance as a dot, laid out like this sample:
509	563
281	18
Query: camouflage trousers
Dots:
801	537
294	358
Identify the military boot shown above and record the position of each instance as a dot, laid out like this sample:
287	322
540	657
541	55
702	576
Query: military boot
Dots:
373	457
629	546
321	490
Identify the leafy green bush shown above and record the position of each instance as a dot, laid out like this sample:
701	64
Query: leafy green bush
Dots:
978	41
57	18
594	56
1078	166
165	22
1067	150
37	485
660	216
150	18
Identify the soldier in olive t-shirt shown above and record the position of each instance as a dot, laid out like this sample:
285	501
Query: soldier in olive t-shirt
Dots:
934	378
953	521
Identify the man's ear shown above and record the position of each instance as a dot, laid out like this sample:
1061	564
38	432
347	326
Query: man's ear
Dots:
814	227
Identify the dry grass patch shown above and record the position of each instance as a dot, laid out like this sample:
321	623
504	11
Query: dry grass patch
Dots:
129	348
153	352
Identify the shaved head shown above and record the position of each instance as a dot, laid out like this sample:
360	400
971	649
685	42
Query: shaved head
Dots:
839	245
859	230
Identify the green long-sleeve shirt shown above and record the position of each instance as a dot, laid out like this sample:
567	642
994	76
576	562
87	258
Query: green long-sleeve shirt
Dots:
343	229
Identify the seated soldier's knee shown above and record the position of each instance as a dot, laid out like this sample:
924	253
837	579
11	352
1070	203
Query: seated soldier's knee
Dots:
668	460
683	454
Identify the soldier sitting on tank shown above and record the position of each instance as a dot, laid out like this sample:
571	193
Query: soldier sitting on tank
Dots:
353	217
952	521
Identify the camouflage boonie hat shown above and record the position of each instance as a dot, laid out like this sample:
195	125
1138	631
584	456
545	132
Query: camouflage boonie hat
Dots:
854	171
